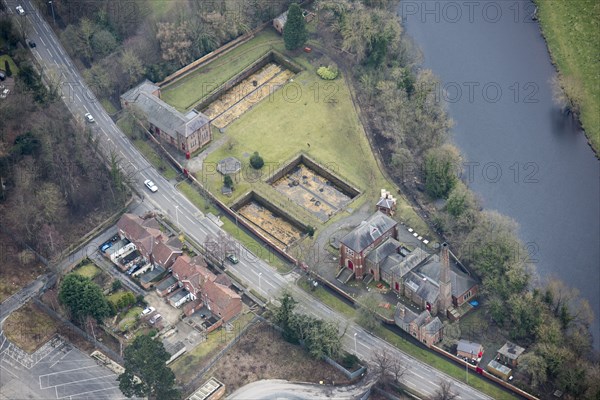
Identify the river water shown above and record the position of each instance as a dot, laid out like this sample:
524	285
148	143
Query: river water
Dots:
523	157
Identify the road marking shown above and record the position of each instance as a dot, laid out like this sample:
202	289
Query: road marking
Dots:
79	98
70	370
7	370
42	39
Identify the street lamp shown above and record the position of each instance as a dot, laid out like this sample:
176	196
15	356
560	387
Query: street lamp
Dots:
52	7
355	349
177	216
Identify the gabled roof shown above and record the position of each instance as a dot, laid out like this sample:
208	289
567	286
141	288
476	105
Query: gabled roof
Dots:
459	282
434	326
282	18
368	231
166	283
385	203
409	315
405	264
131	226
162	252
423	287
466	346
160	114
220	297
382	251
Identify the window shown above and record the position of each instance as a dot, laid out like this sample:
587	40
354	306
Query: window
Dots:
467	295
349	252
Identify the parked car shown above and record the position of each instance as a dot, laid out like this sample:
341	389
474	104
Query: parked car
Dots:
89	118
20	10
2	75
148	310
4	93
150	185
105	246
232	258
30	43
155	318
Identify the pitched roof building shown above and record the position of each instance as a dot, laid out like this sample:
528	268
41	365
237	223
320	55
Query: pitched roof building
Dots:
186	132
422	326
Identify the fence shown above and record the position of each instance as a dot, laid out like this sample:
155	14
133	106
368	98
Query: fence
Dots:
349	375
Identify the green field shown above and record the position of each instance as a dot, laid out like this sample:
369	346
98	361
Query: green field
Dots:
87	270
185	93
572	31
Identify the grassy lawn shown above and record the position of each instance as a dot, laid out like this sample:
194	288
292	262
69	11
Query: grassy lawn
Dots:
13	67
185	93
144	146
187	366
29	328
572	32
328	298
252	244
115	297
129	320
108	106
87	270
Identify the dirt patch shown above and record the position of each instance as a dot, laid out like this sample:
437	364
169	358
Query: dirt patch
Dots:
271	224
249	92
18	267
29	328
262	354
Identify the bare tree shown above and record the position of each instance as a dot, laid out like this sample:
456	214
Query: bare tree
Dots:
444	392
389	369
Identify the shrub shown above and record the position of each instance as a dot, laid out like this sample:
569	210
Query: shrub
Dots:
256	161
349	361
116	285
310	230
328	73
227	181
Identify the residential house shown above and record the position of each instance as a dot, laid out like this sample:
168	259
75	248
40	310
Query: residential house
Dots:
423	326
357	244
167	285
187	132
468	349
201	287
509	354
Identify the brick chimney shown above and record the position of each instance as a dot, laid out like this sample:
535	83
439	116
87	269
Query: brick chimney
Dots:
445	261
445	301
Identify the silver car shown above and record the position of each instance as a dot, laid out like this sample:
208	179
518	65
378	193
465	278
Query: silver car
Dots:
150	185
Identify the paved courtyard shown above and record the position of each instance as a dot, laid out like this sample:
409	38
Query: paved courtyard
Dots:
57	370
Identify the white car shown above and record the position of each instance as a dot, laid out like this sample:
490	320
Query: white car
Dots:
89	118
4	93
20	10
155	318
148	310
150	185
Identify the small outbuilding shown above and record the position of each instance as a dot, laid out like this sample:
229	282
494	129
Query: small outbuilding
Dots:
279	22
229	166
499	370
509	354
468	349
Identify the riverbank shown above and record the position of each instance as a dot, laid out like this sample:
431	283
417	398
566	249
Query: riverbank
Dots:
572	34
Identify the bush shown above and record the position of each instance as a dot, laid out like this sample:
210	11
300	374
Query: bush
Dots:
349	361
328	73
116	285
310	231
256	161
227	181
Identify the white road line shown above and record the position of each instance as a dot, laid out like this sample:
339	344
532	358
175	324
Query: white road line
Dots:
79	98
78	382
42	40
70	370
7	370
79	394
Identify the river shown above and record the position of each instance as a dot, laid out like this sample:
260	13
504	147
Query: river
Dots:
523	157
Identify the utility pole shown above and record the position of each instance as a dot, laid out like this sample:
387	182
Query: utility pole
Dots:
52	7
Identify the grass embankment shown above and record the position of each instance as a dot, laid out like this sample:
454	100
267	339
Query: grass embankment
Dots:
427	356
188	365
13	67
185	93
249	242
29	328
145	147
572	31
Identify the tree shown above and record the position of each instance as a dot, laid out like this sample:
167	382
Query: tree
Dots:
388	368
175	42
535	366
103	43
284	315
83	298
294	31
444	392
227	181
132	66
460	200
146	372
367	311
7	68
256	161
441	170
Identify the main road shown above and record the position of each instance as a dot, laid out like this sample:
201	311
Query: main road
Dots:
252	270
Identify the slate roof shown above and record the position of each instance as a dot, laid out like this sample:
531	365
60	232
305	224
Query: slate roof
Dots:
166	283
466	346
368	231
160	114
400	266
229	165
459	282
511	350
178	295
409	315
434	326
282	18
382	251
385	203
423	287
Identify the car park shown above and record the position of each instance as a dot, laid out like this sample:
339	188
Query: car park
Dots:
89	118
155	318
150	185
148	310
232	258
20	10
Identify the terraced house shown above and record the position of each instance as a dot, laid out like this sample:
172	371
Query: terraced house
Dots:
187	133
